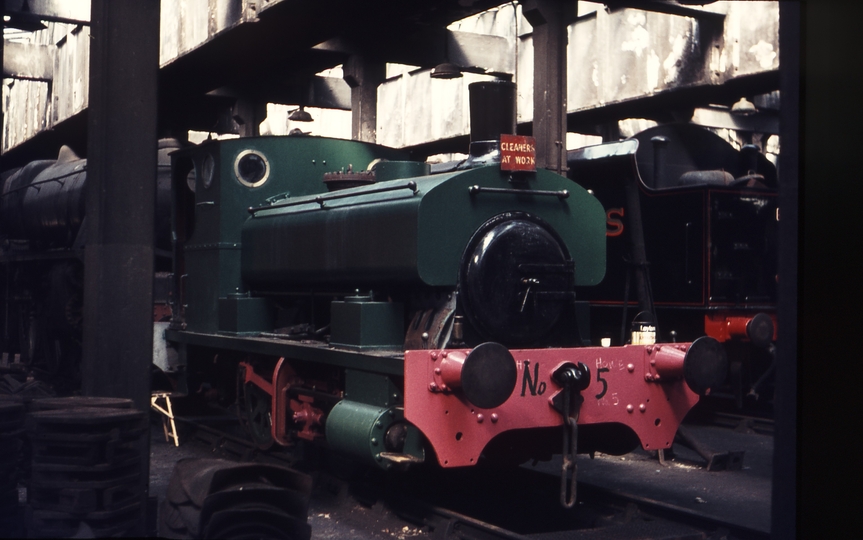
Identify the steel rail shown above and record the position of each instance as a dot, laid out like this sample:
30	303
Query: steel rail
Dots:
673	513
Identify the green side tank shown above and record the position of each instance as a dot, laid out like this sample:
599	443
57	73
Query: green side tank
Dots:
226	178
411	231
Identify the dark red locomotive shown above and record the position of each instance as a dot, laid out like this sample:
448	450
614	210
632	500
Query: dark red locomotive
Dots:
691	229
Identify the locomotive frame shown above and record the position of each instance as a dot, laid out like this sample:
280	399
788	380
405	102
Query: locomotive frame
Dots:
398	317
408	373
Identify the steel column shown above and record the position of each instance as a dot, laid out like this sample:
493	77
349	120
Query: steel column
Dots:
820	295
784	497
249	113
364	76
2	42
118	284
120	199
549	19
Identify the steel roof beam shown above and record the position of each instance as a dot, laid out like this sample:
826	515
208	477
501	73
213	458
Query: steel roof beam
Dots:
28	61
61	11
669	7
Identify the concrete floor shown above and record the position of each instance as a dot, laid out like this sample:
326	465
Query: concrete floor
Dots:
333	514
741	496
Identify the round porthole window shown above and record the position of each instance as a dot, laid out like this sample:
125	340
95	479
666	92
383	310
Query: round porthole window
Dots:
252	168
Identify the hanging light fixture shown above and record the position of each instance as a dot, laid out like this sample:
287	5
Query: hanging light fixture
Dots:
300	115
24	19
743	107
446	70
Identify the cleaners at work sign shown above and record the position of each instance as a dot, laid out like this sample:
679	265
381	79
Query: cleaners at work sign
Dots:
517	153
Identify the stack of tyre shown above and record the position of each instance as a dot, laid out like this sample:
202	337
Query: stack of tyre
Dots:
11	433
86	473
214	498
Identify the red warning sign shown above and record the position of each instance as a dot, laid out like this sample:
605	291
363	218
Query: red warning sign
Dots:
517	153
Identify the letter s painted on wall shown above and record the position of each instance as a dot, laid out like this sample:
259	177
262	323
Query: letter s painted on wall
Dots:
615	225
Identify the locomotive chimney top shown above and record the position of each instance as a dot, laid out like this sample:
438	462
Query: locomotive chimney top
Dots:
492	113
492	110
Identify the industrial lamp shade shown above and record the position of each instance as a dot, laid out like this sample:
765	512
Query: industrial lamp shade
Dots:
744	107
24	19
446	71
301	115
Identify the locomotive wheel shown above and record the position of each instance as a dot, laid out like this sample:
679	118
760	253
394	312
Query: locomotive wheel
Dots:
54	358
73	312
258	408
27	338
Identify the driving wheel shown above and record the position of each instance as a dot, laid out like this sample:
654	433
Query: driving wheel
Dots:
258	409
